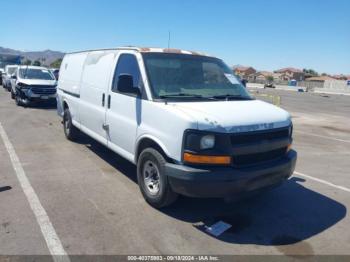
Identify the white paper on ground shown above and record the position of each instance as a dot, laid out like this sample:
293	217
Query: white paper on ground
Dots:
218	228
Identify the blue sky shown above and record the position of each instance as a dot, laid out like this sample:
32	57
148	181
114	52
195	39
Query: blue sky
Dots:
267	34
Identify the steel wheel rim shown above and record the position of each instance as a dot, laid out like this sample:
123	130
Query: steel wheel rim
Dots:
151	177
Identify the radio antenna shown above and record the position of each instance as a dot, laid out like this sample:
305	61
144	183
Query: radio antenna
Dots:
169	40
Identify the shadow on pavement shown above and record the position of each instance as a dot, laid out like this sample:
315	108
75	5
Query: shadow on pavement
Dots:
5	188
285	215
44	105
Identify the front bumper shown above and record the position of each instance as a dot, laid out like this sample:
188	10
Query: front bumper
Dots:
218	182
29	96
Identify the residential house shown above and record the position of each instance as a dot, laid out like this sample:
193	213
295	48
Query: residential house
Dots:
290	73
320	79
261	76
244	72
340	77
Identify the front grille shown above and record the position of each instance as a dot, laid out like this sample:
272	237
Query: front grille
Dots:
250	159
259	138
43	90
255	137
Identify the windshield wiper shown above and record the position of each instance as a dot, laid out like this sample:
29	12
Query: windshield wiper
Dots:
186	95
232	97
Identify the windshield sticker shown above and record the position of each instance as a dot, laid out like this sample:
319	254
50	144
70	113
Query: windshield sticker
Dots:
232	79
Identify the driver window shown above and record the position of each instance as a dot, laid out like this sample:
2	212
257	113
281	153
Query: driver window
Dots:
127	64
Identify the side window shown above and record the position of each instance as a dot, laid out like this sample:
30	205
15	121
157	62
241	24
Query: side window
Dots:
127	64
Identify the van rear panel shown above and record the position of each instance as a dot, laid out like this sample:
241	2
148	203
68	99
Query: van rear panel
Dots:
71	72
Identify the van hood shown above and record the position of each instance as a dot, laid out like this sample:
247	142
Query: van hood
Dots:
235	116
38	82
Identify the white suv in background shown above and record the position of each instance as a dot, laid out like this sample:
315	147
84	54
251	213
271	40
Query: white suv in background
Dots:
182	117
33	84
10	70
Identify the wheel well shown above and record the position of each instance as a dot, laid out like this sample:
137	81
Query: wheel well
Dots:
149	143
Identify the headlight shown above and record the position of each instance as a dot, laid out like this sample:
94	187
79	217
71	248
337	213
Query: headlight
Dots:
207	142
196	141
205	148
22	86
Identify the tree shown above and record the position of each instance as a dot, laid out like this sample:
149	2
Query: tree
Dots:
269	78
27	62
309	73
56	63
36	63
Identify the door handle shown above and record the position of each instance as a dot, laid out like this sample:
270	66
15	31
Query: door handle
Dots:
103	99
105	127
109	101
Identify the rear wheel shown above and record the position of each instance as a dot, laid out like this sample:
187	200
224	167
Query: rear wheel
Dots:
152	180
70	131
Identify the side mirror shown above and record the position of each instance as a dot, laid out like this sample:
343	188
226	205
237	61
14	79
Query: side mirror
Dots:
13	77
126	84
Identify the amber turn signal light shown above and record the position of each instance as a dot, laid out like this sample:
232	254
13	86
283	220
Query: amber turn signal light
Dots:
212	160
289	147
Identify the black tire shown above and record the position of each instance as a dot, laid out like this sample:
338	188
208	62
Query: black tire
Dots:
17	100
165	195
13	96
70	131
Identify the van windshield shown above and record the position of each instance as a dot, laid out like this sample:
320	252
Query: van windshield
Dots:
30	73
184	77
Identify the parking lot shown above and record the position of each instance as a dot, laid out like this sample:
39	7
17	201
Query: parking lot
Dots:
93	203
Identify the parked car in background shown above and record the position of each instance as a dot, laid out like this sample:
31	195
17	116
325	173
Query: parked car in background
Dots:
33	84
1	73
55	72
269	84
182	117
8	59
10	70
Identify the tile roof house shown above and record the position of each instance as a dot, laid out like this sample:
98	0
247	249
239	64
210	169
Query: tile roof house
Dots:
244	71
340	77
261	76
319	78
290	73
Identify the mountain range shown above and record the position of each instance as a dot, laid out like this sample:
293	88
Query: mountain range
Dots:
46	57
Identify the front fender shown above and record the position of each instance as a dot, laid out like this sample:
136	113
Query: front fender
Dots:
156	140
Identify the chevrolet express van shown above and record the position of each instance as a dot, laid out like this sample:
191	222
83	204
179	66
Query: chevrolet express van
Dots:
182	117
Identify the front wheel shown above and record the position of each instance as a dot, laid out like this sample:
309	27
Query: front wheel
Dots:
70	131
152	180
13	96
18	99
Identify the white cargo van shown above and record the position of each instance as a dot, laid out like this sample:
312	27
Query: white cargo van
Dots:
182	117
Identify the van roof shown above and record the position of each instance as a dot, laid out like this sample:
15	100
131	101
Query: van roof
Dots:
149	50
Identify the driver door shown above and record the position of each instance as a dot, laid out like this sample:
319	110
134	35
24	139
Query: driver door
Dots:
124	109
